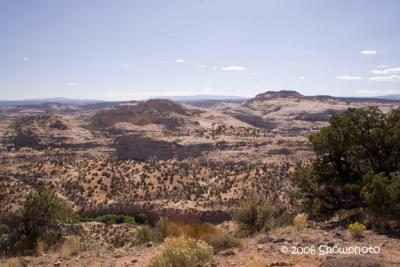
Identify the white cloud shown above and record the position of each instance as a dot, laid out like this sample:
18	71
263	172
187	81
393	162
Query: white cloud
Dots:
348	78
386	70
390	78
368	52
301	77
180	60
214	68
392	92
202	66
26	59
127	65
233	68
72	84
368	92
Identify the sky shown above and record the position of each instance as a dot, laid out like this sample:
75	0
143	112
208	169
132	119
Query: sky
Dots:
133	49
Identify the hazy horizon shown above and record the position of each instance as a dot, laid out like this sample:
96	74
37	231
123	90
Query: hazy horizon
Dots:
137	49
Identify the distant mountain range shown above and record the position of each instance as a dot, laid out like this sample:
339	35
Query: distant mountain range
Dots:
59	100
201	97
62	100
390	97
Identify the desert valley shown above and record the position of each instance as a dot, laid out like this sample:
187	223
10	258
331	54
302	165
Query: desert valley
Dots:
188	162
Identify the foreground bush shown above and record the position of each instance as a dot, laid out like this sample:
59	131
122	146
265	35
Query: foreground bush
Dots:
253	215
357	230
182	252
42	214
357	165
222	241
300	221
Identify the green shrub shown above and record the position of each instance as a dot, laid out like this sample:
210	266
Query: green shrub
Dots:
222	241
142	219
357	230
356	166
4	229
41	215
110	219
182	252
253	215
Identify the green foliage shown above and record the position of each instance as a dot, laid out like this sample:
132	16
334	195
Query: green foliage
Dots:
222	241
182	252
357	230
142	219
253	215
4	229
110	219
357	157
41	215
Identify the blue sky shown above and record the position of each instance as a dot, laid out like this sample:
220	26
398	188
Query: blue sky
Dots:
127	49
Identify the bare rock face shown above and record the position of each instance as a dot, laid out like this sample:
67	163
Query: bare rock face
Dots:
275	94
355	261
29	131
139	148
155	111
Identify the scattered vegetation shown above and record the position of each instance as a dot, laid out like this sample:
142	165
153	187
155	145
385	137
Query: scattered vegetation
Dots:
300	221
71	247
357	230
257	262
182	251
222	241
357	166
164	228
253	215
4	228
110	219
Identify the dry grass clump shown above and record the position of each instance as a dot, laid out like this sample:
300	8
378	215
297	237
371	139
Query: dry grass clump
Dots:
182	251
165	228
41	247
256	262
300	221
11	262
253	215
71	247
222	241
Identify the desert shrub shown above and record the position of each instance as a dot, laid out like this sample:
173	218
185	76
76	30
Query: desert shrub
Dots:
165	228
11	262
356	166
71	247
145	234
41	216
357	230
142	219
256	262
300	221
222	241
4	229
46	241
199	230
110	219
253	215
182	252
